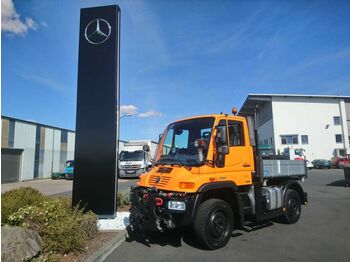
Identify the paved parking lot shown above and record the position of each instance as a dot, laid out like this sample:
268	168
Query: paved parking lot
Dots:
60	187
322	233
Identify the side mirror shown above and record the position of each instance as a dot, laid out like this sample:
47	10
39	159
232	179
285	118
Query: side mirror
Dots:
221	145
221	140
223	150
146	148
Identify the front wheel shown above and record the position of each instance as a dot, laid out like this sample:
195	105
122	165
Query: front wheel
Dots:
213	224
292	207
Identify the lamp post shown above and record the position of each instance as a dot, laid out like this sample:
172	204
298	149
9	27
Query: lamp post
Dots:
127	115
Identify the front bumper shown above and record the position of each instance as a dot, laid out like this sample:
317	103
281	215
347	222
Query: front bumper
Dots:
131	172
151	213
69	176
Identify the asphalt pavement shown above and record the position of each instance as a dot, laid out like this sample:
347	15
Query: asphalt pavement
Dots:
60	187
321	234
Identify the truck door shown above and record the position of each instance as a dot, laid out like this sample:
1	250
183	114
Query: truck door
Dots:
238	159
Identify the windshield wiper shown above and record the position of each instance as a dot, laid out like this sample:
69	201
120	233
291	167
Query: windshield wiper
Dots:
169	161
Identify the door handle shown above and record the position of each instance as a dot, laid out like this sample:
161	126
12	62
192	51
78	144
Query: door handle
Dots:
246	165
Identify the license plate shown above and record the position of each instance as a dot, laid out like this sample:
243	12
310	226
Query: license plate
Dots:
131	172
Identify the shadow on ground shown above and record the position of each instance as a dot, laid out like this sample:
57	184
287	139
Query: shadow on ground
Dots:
338	183
175	237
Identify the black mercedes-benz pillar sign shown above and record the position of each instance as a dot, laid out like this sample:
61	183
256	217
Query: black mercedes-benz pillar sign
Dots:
97	122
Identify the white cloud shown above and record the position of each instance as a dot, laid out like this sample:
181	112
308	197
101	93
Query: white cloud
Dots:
31	24
11	22
132	110
128	109
150	113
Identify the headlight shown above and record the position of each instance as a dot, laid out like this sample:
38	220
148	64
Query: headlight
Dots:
177	205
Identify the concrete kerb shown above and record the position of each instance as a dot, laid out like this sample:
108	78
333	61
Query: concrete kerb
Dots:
107	249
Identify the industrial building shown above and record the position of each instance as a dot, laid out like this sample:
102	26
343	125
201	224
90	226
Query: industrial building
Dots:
31	150
316	123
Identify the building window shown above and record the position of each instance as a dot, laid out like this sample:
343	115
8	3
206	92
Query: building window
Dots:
289	139
64	136
11	133
338	138
336	120
304	139
37	151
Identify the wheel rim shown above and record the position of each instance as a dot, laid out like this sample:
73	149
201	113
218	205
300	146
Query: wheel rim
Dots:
293	209
218	225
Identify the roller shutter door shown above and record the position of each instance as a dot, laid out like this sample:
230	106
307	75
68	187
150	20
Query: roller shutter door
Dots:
10	165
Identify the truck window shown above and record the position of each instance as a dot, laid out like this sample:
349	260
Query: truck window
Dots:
168	141
179	143
235	132
181	138
132	156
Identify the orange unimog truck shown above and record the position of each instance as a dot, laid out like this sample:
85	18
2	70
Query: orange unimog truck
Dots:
208	175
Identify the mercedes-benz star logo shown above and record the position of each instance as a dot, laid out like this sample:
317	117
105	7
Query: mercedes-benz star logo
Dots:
158	179
97	31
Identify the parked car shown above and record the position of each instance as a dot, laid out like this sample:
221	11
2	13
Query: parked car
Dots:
69	169
309	164
340	158
322	163
58	175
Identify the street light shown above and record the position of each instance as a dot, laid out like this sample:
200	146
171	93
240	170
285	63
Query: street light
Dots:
125	116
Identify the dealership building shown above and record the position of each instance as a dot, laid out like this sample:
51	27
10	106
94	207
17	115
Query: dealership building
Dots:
318	124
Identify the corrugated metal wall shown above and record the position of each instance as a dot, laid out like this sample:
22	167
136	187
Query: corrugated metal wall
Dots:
25	135
45	149
70	146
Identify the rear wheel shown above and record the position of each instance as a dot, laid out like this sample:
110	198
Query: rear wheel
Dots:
213	224
292	207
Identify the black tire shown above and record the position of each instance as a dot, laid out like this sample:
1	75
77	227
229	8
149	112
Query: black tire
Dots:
213	224
291	207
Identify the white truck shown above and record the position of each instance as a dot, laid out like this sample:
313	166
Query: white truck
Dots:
297	154
136	158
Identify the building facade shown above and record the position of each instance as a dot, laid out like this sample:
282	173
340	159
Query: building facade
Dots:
318	124
31	150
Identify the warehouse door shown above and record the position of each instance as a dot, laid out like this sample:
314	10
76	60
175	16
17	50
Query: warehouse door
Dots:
10	164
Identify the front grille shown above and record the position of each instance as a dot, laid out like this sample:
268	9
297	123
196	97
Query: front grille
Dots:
131	166
162	182
164	170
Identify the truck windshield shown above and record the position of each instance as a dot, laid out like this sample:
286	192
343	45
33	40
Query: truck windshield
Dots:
69	164
132	156
179	146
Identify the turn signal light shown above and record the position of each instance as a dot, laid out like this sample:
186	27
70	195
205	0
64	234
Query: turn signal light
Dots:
186	185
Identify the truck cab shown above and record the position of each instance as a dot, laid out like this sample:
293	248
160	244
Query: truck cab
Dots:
135	158
69	169
208	175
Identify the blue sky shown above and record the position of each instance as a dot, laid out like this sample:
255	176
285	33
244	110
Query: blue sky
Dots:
178	58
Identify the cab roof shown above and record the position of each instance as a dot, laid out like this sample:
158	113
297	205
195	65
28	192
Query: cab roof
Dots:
228	116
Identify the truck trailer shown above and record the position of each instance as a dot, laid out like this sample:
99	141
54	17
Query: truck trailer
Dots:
208	175
136	158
